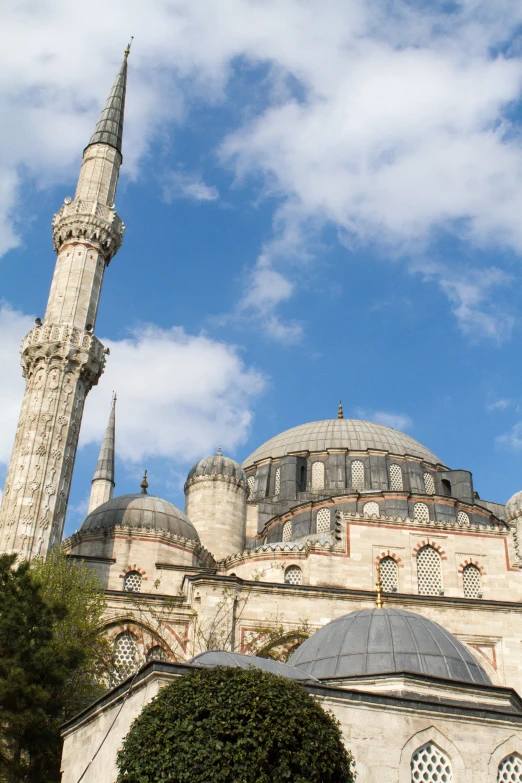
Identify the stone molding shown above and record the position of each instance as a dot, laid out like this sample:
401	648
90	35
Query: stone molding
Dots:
490	527
214	477
90	222
471	561
393	556
316	542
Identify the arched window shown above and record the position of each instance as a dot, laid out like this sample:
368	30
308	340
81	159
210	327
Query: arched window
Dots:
430	765
462	518
157	653
293	575
371	509
421	512
277	482
446	487
510	769
322	520
357	473
472	581
302	479
125	657
132	582
429	571
429	485
389	574
250	484
396	482
287	531
318	475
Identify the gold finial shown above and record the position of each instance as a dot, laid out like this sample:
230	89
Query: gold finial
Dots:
127	50
144	484
378	588
340	414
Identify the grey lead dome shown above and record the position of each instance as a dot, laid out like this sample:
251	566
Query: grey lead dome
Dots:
350	434
140	511
217	465
382	641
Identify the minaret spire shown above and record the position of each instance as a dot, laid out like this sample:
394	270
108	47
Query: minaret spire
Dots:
61	358
103	480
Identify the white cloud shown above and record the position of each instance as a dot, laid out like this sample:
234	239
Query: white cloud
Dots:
512	440
179	184
399	421
500	404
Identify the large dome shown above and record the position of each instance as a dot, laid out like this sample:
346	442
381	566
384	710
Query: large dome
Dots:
350	434
217	465
140	511
382	641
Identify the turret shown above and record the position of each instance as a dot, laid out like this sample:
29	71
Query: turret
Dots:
215	503
103	482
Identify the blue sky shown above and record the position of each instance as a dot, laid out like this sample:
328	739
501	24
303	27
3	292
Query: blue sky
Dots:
322	201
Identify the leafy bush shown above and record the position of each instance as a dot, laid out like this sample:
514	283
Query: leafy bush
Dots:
232	725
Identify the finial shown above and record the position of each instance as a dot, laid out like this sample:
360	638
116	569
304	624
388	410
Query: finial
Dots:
144	484
340	414
127	50
114	397
219	453
378	588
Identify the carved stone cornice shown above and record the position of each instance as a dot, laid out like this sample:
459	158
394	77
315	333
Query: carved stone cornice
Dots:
91	222
76	350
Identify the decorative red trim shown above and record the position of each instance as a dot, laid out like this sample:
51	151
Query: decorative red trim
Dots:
433	544
134	567
389	554
472	562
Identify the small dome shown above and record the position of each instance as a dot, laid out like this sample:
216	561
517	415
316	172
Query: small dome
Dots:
217	465
213	658
514	507
349	434
382	641
140	511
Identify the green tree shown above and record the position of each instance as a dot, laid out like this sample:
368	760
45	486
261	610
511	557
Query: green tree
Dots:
227	725
48	661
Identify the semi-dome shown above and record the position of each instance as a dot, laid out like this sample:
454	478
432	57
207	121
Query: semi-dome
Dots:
382	641
140	511
217	465
350	434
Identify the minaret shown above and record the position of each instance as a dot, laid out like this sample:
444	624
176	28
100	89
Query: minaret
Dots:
61	358
103	480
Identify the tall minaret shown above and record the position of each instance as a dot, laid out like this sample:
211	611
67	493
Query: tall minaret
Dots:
103	480
61	358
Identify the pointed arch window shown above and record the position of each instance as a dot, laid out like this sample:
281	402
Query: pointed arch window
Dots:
250	485
471	578
429	571
318	475
430	765
371	509
125	657
287	531
277	481
157	653
322	520
421	512
510	769
396	482
132	582
429	484
357	474
389	574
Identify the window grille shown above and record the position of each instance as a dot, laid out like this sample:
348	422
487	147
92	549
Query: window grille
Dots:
510	769
277	483
371	509
429	485
157	653
463	518
132	582
250	484
293	575
429	572
322	520
318	475
357	471
124	656
430	765
472	582
287	531
396	482
389	574
421	512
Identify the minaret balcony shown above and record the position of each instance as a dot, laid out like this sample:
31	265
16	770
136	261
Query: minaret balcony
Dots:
90	222
77	348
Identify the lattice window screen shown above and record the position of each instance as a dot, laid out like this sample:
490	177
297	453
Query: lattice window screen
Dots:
421	512
463	518
157	653
125	656
389	573
429	486
277	483
429	572
318	475
357	471
250	483
293	575
430	765
396	482
472	582
132	582
287	531
371	509
510	769
322	520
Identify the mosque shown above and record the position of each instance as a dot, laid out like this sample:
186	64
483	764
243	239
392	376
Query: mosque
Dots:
341	553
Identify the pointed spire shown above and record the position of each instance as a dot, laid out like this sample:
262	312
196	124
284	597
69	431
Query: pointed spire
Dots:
340	414
109	129
105	467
